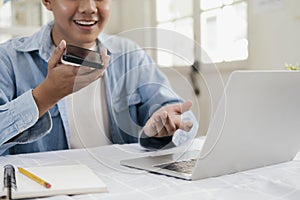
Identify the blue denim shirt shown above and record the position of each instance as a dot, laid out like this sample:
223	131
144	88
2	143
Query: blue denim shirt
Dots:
134	87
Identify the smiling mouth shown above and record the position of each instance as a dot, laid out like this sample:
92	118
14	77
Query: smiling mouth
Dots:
85	23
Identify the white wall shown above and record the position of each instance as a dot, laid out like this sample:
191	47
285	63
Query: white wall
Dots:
130	14
274	35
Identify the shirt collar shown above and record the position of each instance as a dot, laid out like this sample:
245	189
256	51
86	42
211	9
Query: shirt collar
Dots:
40	41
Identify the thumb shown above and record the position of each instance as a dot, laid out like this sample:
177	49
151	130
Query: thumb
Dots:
57	54
185	106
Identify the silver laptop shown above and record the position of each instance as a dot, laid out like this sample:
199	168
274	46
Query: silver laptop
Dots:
256	124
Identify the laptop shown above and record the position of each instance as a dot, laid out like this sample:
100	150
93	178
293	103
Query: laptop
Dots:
256	124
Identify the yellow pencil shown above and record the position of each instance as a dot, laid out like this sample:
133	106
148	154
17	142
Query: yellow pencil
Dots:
34	177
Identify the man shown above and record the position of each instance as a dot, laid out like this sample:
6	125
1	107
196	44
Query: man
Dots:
34	84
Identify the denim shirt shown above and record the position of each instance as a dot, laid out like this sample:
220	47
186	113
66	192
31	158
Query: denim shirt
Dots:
134	87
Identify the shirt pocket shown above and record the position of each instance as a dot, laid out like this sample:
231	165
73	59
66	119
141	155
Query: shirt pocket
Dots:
123	103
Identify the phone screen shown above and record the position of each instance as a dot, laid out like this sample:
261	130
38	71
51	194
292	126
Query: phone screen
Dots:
79	56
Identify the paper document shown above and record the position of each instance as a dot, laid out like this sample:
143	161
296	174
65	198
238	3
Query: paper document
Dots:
64	180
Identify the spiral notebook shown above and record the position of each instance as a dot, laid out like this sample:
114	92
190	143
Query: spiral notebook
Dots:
64	180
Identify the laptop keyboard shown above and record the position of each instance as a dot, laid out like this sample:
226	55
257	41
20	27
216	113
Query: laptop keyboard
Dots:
185	166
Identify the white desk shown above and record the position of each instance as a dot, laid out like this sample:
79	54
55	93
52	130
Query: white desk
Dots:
275	182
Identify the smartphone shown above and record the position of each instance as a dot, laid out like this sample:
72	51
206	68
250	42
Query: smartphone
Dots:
79	56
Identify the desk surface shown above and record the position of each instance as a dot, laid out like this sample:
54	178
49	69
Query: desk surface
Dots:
280	181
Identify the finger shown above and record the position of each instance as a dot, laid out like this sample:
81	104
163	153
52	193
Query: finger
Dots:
84	70
186	126
87	77
185	106
105	57
57	54
181	107
156	124
151	131
162	133
180	124
150	128
170	125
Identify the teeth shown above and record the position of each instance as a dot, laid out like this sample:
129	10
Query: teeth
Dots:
85	23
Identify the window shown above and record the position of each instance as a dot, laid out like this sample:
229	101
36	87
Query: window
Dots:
223	30
222	27
176	16
5	19
22	17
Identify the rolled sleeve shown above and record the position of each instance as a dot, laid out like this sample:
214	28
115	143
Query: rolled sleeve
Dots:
24	111
21	122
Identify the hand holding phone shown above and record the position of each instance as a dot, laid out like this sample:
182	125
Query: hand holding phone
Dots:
79	56
62	80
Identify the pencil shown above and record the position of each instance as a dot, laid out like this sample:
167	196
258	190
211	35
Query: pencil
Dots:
34	177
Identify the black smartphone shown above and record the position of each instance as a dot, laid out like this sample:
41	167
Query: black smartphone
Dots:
79	56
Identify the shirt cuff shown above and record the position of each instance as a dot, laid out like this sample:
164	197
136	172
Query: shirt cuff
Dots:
154	143
24	111
25	126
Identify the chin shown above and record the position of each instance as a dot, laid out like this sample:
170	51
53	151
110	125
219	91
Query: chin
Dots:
85	39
